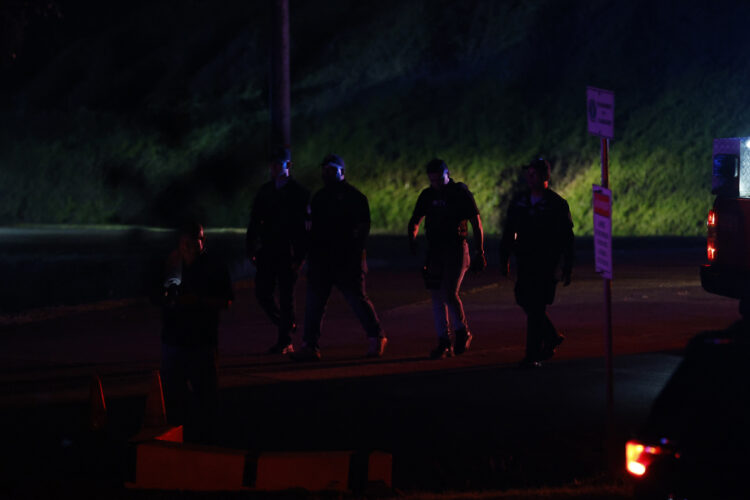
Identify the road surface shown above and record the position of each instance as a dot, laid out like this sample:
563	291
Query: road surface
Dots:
473	421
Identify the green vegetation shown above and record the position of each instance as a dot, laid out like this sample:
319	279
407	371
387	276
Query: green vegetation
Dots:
133	122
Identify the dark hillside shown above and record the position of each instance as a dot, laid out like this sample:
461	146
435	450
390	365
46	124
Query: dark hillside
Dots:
134	112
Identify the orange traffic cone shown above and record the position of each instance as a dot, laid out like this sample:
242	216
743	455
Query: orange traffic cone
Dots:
156	413
97	406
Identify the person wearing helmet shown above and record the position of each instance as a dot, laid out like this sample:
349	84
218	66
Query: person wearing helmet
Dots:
447	206
340	224
277	222
539	231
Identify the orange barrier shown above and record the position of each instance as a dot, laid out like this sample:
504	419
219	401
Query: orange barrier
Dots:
163	463
313	471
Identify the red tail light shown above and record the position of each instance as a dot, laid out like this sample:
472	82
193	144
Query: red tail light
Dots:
639	456
711	251
711	222
711	236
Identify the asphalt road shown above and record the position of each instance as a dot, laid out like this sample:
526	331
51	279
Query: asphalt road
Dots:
474	421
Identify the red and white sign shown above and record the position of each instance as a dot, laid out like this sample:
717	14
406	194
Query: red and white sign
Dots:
602	202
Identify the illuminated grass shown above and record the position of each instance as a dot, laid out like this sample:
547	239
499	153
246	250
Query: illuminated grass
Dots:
485	88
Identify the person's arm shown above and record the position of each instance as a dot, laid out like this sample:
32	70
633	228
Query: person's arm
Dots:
361	228
470	212
568	246
478	260
412	231
412	228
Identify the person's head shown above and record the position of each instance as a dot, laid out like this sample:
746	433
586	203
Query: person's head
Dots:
438	173
332	169
280	163
537	174
192	241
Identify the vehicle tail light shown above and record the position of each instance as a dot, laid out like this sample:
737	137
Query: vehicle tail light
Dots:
638	457
711	251
711	236
711	221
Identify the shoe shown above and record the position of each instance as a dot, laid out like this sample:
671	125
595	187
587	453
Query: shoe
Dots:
377	347
549	350
443	349
463	341
281	348
526	364
306	353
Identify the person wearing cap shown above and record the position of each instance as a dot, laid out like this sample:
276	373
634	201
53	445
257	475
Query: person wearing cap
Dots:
196	286
276	243
340	224
539	231
447	206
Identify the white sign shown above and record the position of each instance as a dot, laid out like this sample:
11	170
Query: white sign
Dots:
602	202
600	110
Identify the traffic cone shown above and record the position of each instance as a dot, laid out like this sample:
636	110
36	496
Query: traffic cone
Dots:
156	413
97	406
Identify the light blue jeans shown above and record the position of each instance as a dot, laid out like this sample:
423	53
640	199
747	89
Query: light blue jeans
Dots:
453	262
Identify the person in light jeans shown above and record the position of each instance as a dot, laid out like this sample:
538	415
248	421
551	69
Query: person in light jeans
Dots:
448	207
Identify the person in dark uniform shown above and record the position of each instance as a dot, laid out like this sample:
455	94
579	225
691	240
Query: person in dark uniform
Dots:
339	228
539	231
447	206
196	286
278	219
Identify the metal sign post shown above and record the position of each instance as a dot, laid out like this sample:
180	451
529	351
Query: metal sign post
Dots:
606	273
600	107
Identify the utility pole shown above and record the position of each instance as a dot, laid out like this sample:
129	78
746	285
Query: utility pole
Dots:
279	87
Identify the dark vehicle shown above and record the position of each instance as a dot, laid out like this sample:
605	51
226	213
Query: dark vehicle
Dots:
696	441
727	271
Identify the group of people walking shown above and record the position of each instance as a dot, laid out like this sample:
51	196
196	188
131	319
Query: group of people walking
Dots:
329	231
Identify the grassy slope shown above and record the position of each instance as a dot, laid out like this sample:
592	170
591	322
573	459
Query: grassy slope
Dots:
157	116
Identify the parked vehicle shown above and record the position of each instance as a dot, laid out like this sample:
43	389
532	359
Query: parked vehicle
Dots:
727	270
696	441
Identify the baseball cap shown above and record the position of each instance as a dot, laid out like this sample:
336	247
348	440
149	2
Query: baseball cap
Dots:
436	166
538	164
334	161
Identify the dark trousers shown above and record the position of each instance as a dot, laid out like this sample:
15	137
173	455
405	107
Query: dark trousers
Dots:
191	389
350	280
540	332
534	291
272	270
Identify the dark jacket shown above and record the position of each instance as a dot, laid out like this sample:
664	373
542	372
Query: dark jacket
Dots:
197	325
446	213
278	220
340	223
539	235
